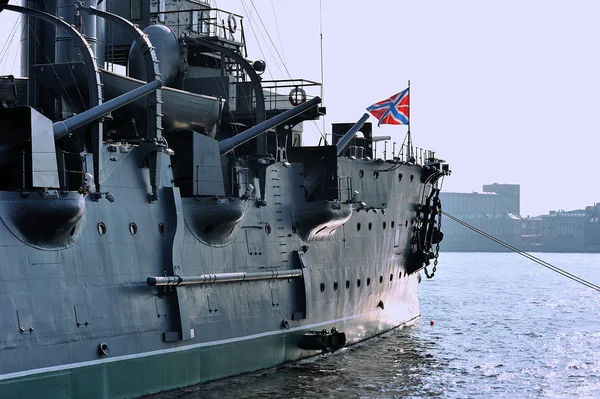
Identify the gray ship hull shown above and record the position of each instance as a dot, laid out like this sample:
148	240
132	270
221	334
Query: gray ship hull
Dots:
62	300
145	373
154	238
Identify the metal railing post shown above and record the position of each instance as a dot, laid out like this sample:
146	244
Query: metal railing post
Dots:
385	150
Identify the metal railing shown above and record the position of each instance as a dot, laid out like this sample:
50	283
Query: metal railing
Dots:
283	94
280	94
214	24
204	22
403	153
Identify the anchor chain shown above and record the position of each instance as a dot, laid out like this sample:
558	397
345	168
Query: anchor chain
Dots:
437	245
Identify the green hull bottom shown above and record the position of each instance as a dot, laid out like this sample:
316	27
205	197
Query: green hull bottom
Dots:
135	376
131	378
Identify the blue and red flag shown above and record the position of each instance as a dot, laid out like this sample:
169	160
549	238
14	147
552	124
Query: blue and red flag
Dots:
393	111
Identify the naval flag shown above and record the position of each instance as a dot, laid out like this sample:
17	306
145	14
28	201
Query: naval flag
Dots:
393	111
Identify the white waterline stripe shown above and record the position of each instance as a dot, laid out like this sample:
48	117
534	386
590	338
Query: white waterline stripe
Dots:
178	349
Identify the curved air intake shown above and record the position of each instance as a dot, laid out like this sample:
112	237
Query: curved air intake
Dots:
166	47
213	222
46	224
318	221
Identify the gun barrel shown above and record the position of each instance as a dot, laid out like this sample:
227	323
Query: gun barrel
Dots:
350	134
382	138
62	128
229	144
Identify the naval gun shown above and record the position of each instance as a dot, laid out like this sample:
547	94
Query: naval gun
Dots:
21	124
9	117
343	142
62	128
229	144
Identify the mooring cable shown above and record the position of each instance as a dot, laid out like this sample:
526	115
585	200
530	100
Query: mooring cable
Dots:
524	254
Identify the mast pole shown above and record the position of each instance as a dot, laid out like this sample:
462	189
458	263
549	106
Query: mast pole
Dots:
322	73
409	140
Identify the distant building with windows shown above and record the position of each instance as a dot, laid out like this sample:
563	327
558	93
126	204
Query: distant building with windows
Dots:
591	226
563	230
494	211
532	232
495	198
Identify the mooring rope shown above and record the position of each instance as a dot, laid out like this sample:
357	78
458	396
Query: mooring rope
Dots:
525	254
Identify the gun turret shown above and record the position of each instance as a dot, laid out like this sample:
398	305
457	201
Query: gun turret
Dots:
341	144
62	128
229	144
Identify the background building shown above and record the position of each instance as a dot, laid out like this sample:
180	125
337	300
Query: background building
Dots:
591	226
508	196
495	211
563	230
532	233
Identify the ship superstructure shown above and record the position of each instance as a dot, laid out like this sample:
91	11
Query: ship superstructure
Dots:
165	227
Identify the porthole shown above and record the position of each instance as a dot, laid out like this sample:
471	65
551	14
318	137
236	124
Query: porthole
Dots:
399	176
400	275
322	287
358	226
370	226
384	225
380	279
347	284
368	281
335	285
133	229
391	277
162	229
361	173
268	228
101	228
358	283
393	224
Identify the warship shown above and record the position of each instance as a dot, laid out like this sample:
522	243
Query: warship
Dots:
166	226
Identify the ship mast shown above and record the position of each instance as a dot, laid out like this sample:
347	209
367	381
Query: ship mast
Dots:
408	138
322	71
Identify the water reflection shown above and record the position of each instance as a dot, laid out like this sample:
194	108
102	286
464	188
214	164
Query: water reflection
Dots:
389	366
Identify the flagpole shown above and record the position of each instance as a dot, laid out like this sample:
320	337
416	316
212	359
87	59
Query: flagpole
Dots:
409	141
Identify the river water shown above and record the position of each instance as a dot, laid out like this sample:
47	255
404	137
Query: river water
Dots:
504	327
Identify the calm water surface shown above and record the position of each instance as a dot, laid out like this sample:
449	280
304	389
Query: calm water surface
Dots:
504	327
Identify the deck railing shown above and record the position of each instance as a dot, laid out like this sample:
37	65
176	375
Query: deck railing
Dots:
279	94
204	22
393	152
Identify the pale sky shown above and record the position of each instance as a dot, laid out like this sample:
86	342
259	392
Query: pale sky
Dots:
505	91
